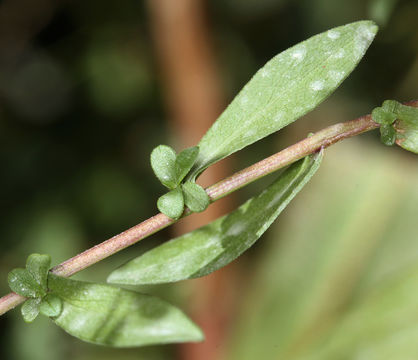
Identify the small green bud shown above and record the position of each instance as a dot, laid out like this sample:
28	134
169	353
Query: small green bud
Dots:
382	116
387	134
172	203
195	197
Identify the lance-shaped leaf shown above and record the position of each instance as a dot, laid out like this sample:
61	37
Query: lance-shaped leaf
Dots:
106	315
286	88
215	245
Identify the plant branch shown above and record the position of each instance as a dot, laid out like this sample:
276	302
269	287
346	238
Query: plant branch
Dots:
310	145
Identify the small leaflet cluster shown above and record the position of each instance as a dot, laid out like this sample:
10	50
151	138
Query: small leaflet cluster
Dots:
99	313
32	282
171	169
216	244
398	124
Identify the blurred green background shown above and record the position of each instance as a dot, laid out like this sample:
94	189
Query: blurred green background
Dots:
86	92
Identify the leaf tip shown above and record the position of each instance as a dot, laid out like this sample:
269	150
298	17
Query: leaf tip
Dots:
114	278
368	28
373	27
198	335
365	34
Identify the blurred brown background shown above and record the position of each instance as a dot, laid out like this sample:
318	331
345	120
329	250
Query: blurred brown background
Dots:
89	88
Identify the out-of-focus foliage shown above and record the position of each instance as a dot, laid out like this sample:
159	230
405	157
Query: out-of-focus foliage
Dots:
380	10
339	277
81	110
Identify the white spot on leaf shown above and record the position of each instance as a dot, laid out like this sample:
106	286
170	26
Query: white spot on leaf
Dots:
317	85
299	110
250	133
299	53
363	38
278	117
236	229
333	34
339	54
264	73
367	32
336	76
244	100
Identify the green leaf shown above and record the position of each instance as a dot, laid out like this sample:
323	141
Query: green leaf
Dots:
172	203
286	88
407	128
163	160
38	266
215	245
30	309
406	113
32	281
387	134
106	315
185	161
382	116
391	106
22	283
195	197
51	305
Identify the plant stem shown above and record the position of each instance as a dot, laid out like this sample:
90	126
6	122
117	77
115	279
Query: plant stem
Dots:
310	145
